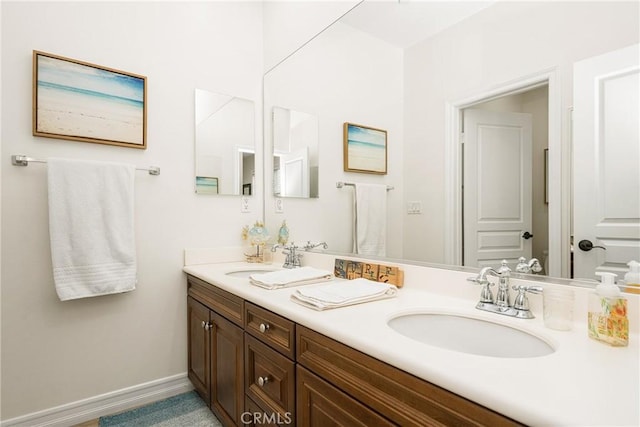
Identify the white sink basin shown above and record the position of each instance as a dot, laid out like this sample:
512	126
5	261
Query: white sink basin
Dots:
247	273
469	335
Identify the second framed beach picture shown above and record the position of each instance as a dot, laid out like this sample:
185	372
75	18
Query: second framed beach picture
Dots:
365	149
79	101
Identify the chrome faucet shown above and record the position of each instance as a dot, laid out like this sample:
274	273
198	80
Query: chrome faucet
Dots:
310	245
292	259
528	267
502	305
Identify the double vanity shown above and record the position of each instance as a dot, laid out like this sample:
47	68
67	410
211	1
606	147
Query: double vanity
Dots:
425	357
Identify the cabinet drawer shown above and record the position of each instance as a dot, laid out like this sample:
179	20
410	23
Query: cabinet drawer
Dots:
401	397
219	300
269	378
321	404
270	328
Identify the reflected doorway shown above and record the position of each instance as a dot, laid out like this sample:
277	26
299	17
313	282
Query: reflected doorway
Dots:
505	199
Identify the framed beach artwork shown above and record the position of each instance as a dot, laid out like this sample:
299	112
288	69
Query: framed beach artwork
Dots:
206	185
365	149
79	101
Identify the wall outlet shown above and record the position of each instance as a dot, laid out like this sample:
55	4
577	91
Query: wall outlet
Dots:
414	208
244	205
279	205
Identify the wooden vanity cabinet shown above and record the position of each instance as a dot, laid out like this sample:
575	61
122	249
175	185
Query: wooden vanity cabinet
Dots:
256	367
216	349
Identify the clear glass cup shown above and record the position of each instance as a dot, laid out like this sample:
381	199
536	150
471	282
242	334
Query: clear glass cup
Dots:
558	308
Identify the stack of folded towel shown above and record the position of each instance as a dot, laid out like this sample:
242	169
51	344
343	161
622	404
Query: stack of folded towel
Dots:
343	293
290	277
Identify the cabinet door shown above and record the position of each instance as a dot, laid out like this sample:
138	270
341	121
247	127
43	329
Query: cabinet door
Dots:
227	370
320	404
199	360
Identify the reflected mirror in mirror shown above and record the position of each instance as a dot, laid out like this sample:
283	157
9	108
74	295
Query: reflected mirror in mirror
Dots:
354	72
225	144
295	153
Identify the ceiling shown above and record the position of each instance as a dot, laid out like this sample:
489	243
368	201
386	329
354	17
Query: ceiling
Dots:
402	23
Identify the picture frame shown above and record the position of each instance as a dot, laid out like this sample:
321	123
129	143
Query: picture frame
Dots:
246	189
207	185
365	149
78	101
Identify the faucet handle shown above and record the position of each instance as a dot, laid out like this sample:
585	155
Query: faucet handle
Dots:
479	281
522	266
522	302
535	265
486	296
310	245
527	288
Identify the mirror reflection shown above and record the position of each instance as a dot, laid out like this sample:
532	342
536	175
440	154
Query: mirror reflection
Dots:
295	153
425	93
224	144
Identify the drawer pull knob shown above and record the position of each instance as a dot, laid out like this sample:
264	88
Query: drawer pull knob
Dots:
263	380
206	325
264	327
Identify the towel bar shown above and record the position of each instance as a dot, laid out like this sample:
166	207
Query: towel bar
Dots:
20	160
341	184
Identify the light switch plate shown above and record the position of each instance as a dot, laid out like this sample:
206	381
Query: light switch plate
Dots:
414	207
244	205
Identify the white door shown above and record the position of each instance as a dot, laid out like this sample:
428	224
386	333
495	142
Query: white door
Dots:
295	173
497	187
606	162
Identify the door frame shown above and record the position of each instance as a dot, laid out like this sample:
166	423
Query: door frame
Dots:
559	168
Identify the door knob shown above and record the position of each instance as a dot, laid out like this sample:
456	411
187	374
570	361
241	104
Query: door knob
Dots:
587	245
527	235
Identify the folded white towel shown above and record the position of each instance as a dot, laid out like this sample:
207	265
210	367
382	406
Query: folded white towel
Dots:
343	293
91	227
290	277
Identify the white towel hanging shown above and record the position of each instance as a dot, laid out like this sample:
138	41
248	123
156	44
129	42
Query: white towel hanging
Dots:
370	219
91	227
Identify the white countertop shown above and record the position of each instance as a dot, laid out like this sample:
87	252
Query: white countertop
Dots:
583	383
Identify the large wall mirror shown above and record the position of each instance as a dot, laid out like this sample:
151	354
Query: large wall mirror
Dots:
512	61
225	144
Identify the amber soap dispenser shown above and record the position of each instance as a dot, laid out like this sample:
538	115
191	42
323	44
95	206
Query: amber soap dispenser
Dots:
607	317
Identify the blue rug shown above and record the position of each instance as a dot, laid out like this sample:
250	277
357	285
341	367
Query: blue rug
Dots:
186	409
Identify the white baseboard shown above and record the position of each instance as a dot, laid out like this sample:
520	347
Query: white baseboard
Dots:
104	404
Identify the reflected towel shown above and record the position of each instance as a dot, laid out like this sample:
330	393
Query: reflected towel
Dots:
91	227
290	277
343	293
370	219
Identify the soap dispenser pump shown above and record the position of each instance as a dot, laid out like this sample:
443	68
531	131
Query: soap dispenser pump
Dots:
607	318
632	278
